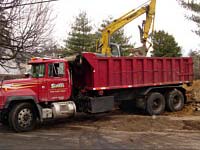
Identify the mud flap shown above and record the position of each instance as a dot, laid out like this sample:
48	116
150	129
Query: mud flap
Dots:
101	104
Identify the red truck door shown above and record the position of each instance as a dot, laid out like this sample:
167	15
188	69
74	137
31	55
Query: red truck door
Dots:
58	82
38	74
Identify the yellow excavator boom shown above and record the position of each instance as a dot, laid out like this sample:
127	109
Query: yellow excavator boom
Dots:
125	19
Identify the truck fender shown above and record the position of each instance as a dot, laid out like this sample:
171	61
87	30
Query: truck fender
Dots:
145	91
22	99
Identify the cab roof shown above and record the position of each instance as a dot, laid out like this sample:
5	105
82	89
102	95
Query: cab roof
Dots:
37	60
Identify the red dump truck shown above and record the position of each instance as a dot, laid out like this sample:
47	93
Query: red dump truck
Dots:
57	88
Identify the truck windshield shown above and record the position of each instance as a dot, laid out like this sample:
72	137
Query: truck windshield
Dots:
37	70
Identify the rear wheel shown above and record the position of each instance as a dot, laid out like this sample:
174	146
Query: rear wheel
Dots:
22	117
155	104
174	100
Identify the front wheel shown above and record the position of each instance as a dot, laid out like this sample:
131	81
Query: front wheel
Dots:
22	117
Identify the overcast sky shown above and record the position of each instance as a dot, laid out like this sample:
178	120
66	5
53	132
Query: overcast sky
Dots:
169	17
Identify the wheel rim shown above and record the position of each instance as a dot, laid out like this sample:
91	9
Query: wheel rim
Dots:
25	118
156	104
176	101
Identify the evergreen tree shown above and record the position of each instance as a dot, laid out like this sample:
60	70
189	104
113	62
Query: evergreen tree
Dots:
80	38
193	6
164	45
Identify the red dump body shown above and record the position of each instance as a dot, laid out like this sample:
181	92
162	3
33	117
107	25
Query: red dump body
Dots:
102	73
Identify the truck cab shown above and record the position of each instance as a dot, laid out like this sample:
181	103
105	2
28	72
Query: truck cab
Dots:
53	78
45	94
116	50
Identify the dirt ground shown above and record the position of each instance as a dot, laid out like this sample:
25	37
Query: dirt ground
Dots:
187	119
128	130
193	91
114	130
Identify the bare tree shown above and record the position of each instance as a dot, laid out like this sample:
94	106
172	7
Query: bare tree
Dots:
22	28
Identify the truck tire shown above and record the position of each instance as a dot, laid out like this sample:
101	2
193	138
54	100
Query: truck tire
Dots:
174	100
22	117
155	104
